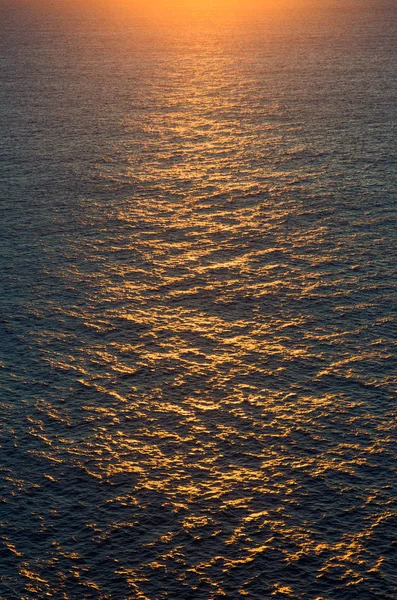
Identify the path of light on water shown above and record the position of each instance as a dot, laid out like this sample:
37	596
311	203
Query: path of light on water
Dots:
199	337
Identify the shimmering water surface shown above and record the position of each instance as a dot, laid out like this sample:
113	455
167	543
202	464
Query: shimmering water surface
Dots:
198	327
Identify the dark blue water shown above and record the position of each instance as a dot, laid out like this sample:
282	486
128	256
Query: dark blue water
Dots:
198	303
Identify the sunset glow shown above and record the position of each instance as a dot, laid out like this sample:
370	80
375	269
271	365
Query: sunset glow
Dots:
166	10
197	303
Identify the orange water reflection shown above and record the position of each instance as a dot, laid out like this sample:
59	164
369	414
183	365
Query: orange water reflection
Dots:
203	376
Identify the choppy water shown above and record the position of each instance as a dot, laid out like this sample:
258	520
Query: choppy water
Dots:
198	326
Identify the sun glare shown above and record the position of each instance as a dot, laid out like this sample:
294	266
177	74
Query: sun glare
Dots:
187	9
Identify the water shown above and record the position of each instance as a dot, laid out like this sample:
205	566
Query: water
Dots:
198	321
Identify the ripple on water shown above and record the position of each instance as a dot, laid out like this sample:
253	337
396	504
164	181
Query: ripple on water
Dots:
198	325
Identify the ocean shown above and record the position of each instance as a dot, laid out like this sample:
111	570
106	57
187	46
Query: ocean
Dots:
198	302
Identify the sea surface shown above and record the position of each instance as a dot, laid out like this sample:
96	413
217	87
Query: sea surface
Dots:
198	302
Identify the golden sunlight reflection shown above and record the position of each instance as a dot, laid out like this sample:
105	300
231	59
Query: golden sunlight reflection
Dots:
202	327
181	12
